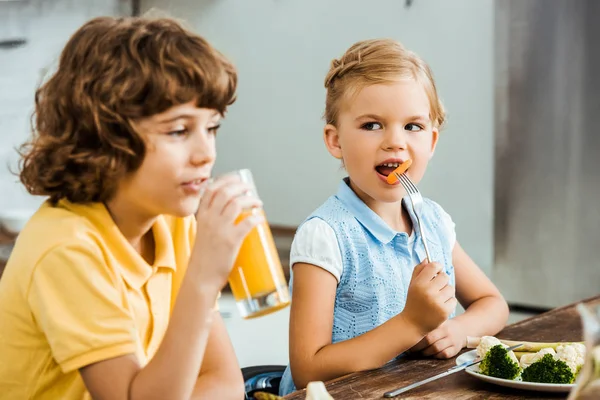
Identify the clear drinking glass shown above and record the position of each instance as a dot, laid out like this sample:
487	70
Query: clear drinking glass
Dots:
257	280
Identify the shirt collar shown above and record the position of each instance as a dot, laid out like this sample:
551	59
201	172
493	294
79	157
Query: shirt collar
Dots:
364	215
134	269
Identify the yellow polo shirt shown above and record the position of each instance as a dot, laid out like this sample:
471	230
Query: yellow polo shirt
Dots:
75	292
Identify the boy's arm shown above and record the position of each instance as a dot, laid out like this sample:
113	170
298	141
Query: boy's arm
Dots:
220	375
313	357
171	371
79	308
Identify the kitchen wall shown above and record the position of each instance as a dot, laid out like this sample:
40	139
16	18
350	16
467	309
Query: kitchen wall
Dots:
282	50
46	25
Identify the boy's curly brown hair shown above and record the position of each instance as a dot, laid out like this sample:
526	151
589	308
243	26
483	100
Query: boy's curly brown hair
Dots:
111	72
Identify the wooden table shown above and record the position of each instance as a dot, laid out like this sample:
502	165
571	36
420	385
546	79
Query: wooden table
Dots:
561	324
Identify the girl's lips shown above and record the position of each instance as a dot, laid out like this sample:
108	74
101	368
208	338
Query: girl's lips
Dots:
384	179
392	160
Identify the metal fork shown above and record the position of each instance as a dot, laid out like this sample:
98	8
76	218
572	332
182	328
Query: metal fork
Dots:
417	202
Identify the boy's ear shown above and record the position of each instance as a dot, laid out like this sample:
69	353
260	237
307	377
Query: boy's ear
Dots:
332	141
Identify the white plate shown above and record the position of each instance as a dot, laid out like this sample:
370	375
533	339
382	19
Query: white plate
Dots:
473	370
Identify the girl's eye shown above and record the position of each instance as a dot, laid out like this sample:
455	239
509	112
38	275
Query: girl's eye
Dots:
371	126
413	127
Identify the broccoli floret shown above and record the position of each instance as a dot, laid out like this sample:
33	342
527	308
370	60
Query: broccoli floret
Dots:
548	370
498	364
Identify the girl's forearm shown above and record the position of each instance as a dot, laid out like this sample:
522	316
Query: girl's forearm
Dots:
486	316
368	351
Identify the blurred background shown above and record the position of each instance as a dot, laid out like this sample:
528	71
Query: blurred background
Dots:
517	165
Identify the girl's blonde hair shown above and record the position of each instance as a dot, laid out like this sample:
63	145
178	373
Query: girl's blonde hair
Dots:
377	61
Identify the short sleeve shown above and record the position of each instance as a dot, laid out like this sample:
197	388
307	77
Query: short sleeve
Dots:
79	303
316	243
447	223
450	228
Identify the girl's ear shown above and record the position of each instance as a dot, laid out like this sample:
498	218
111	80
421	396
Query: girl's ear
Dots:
434	140
332	141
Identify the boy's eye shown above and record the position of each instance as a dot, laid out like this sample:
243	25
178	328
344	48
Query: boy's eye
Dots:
413	127
371	126
214	129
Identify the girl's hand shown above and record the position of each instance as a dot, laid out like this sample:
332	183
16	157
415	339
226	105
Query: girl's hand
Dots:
443	342
430	299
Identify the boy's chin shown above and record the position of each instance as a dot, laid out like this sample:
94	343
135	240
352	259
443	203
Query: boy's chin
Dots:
184	210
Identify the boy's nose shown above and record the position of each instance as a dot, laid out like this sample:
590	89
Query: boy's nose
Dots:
202	151
199	159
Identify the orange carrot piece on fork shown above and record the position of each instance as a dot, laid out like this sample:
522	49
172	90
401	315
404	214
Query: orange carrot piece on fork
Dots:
392	178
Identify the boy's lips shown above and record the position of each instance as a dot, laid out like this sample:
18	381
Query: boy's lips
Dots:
195	181
194	186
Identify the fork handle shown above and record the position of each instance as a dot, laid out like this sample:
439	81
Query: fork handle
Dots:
423	240
425	245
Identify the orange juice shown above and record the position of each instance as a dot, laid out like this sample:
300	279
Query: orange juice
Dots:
256	280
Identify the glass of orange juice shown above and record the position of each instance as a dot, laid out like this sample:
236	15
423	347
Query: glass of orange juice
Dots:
256	280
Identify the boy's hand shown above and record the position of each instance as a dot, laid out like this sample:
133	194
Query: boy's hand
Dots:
444	342
218	237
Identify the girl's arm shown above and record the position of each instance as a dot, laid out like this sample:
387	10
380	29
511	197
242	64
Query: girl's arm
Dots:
314	357
486	311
